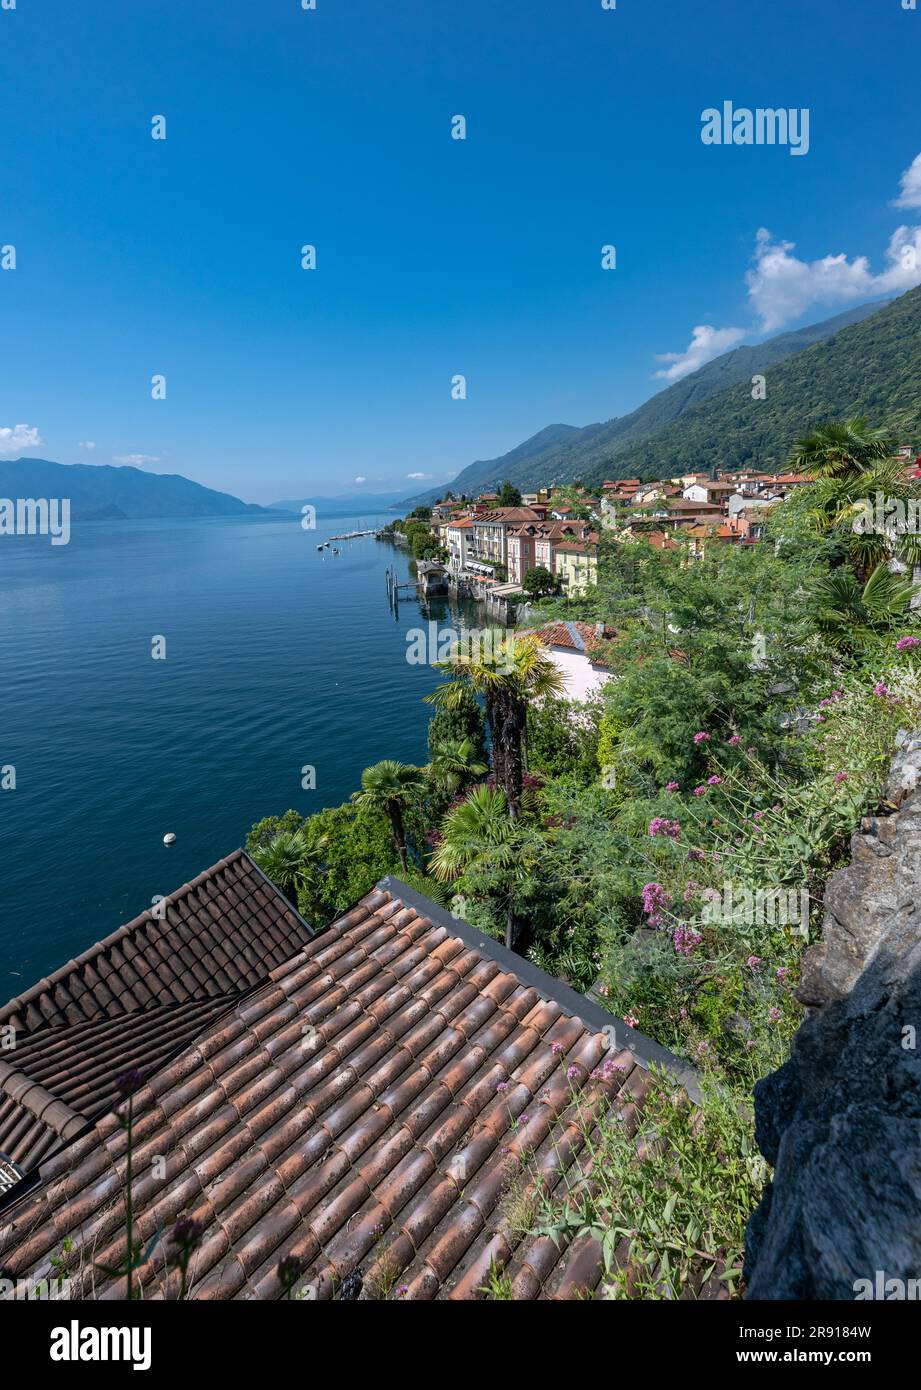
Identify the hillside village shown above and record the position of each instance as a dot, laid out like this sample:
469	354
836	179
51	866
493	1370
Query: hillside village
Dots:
490	549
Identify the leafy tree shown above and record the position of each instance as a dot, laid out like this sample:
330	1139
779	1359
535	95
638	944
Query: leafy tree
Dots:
509	674
357	851
509	495
841	449
562	738
266	830
480	830
289	860
464	719
850	614
539	581
454	766
387	787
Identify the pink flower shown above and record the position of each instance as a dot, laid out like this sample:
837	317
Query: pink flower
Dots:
631	1020
655	900
661	826
685	939
840	776
701	737
759	815
699	791
905	643
753	962
775	1014
502	1086
881	689
782	972
714	781
734	740
671	786
557	1048
572	1073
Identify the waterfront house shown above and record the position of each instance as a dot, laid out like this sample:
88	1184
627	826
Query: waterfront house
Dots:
576	564
458	540
356	1101
492	529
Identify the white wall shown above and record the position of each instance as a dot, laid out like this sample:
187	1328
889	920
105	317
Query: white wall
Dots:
581	678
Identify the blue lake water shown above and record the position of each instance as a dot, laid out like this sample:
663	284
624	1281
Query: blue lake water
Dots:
278	656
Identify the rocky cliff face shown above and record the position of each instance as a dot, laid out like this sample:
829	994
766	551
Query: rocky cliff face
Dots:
840	1122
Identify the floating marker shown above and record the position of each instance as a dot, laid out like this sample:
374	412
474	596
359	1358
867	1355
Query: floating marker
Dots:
169	838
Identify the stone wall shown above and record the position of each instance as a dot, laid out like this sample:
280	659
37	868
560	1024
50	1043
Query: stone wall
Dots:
840	1122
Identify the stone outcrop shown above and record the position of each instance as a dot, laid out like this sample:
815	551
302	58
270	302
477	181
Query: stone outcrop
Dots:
840	1122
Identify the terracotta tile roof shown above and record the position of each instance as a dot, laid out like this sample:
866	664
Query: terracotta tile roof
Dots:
365	1110
722	532
657	539
136	997
575	636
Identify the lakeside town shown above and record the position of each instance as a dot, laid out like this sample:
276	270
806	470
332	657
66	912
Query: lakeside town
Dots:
510	548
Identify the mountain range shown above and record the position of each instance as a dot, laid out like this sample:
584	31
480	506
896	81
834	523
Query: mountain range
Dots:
102	492
651	439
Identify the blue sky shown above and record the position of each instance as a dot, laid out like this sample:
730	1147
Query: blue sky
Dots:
435	256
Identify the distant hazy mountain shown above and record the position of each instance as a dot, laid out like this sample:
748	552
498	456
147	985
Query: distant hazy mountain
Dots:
348	504
525	460
869	368
100	492
561	453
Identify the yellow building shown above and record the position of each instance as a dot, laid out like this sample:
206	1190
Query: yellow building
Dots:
576	564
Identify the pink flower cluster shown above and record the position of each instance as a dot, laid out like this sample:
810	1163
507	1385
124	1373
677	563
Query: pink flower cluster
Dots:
701	737
609	1067
686	939
655	900
906	643
660	826
881	689
671	786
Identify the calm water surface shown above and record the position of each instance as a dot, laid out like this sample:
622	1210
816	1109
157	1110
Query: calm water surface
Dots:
277	656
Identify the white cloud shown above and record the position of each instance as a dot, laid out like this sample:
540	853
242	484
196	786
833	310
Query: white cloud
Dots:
86	444
418	475
910	186
781	287
706	343
136	459
18	437
361	478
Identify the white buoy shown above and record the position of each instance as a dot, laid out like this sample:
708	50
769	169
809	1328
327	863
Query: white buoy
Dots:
169	839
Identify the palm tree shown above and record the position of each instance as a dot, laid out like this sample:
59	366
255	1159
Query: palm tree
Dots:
387	787
850	613
509	672
288	860
841	449
454	764
840	504
479	830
